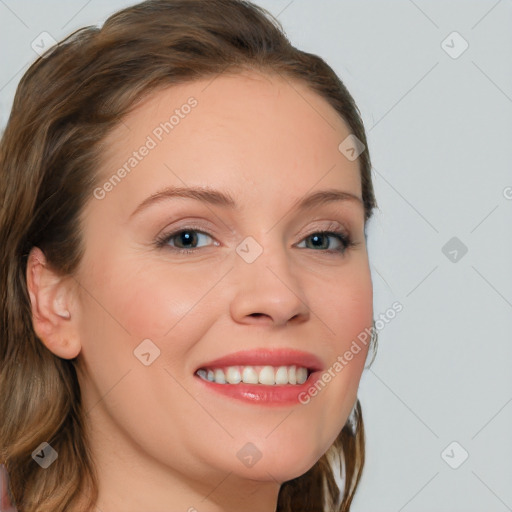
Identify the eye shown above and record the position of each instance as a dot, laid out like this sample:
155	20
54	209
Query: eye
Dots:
185	240
321	240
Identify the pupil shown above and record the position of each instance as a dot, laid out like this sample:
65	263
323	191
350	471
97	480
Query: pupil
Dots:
186	236
316	238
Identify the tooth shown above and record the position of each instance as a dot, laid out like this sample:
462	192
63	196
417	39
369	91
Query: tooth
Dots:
282	375
267	376
292	374
233	375
302	375
219	376
249	375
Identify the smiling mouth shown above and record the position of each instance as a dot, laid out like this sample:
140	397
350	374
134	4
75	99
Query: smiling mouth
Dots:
263	375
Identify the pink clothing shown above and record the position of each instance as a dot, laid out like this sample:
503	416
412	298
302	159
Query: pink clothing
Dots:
5	502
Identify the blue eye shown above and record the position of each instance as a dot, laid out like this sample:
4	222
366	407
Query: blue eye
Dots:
320	240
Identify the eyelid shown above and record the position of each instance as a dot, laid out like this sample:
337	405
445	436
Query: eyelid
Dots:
198	225
331	226
207	228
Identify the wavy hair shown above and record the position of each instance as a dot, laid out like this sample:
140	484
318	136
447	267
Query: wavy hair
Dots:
65	104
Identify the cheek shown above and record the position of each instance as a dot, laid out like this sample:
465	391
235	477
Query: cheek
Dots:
153	301
345	304
126	304
173	308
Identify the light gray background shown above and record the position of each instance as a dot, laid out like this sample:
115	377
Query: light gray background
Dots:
440	133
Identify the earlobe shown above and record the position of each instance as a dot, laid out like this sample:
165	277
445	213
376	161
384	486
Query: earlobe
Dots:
50	298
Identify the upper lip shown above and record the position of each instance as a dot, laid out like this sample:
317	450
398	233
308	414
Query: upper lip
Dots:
267	357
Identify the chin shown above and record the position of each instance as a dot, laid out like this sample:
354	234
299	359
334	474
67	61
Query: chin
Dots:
279	466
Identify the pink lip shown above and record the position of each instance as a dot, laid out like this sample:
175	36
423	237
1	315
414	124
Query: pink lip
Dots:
277	395
273	396
264	357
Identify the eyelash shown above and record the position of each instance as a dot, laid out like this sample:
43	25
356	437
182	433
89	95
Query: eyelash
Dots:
163	241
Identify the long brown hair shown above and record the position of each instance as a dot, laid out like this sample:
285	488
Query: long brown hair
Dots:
65	105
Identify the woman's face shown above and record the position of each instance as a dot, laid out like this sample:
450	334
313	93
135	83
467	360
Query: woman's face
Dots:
258	277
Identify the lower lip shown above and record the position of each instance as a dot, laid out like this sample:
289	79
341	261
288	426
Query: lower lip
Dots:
276	395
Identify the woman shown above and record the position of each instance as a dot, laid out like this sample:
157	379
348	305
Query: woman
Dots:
186	294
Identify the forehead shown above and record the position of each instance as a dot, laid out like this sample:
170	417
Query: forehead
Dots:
232	130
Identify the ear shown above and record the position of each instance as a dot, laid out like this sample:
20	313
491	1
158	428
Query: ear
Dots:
52	299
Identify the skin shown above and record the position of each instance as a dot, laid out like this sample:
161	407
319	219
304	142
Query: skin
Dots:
158	438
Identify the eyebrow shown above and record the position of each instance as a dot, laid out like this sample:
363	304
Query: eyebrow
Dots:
226	200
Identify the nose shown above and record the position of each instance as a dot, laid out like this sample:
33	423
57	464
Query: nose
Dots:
268	291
